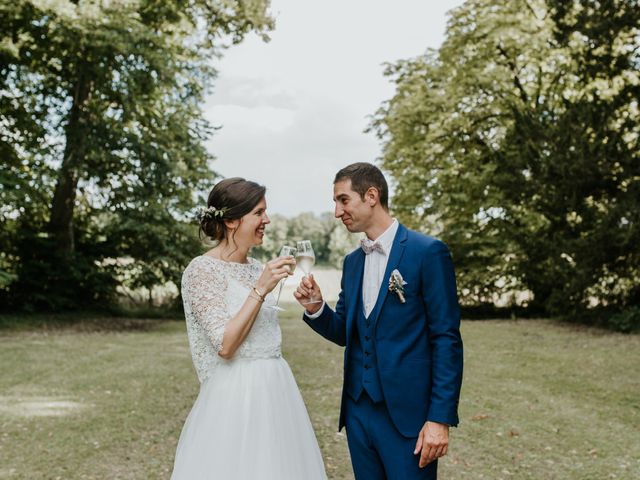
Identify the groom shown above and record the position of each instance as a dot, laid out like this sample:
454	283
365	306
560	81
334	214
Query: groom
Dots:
398	316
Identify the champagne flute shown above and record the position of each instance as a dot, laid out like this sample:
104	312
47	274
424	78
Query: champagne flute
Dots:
285	251
306	258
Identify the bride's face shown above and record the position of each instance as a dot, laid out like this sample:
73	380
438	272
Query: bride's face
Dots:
250	228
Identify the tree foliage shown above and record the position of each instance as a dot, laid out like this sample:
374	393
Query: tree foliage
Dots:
102	135
517	143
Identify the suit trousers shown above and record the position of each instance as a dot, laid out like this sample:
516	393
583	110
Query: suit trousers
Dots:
378	451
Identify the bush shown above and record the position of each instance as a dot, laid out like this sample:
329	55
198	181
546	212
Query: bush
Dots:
626	321
48	282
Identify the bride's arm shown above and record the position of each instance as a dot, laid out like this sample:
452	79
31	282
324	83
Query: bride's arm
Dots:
240	325
203	290
237	329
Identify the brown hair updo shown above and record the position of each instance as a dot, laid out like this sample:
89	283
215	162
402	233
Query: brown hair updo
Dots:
235	197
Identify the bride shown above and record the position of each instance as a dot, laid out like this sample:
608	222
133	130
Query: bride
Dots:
249	420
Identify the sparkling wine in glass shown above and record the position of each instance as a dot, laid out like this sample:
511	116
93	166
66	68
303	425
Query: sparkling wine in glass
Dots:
285	251
306	258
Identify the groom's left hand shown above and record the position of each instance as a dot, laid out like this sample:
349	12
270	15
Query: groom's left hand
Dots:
433	442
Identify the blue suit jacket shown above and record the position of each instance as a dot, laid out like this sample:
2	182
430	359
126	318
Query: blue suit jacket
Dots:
418	343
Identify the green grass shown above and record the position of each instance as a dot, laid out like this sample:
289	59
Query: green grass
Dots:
104	399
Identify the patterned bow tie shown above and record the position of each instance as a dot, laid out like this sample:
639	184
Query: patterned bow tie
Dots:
370	246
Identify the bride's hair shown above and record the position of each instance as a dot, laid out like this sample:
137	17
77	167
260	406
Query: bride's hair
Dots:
229	199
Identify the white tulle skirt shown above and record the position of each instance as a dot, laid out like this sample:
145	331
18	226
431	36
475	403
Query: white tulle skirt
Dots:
249	422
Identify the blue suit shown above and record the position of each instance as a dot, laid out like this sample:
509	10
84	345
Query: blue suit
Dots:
403	363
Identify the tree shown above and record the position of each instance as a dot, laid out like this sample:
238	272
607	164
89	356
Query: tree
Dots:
276	235
317	229
341	242
501	145
101	117
599	133
304	226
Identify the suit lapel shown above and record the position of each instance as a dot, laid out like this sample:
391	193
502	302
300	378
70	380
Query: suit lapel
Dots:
354	280
397	249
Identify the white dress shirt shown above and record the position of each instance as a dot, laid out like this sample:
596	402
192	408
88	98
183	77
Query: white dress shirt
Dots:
375	264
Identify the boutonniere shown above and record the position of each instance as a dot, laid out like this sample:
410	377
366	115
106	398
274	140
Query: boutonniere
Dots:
396	285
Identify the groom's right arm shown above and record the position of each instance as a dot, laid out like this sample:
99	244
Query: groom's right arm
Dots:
330	324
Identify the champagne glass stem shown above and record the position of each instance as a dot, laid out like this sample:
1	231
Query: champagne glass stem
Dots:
279	293
310	300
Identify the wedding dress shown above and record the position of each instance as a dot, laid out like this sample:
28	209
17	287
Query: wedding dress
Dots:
249	420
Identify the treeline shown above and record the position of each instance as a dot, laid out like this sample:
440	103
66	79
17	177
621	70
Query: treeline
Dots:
330	240
517	143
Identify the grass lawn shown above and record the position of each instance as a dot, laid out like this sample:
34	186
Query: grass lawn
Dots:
539	401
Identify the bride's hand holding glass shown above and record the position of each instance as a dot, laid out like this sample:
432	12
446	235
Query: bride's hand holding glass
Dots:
285	251
275	271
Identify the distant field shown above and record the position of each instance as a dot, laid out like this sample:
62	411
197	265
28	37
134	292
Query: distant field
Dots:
539	401
327	278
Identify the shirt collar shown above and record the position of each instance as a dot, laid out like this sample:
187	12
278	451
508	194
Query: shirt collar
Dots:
386	239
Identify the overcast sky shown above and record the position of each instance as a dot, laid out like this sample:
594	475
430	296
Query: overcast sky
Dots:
293	111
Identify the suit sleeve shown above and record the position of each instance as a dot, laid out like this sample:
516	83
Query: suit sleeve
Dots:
331	324
443	317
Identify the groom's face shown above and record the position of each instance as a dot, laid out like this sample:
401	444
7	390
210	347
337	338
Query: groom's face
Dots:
354	212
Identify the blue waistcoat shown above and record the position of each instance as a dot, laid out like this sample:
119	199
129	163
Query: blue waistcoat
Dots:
363	371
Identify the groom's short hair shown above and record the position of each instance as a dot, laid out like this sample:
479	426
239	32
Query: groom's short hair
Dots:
363	176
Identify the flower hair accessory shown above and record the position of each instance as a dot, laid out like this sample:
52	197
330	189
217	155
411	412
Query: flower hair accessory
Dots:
210	213
396	285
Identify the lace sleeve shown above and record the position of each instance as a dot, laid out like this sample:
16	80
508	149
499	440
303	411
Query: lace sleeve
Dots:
203	289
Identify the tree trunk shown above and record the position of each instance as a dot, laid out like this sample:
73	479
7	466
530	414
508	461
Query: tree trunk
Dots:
62	207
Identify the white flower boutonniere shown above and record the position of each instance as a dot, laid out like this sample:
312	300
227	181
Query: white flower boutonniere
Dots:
396	285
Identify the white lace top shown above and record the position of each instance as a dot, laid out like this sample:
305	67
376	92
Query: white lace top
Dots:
213	291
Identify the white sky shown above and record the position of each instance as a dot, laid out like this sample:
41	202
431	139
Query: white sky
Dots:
293	111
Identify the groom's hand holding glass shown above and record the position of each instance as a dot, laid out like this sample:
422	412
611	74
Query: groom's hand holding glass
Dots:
309	295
